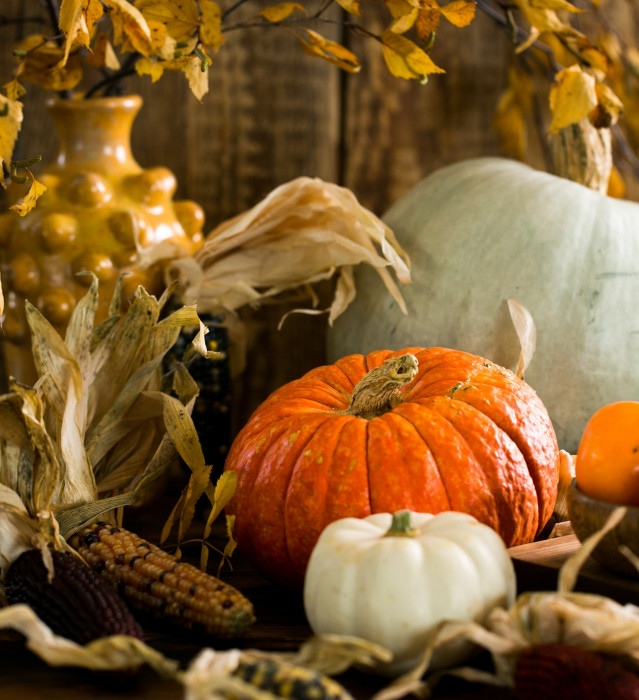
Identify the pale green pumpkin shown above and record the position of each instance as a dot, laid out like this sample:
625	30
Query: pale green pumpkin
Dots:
486	230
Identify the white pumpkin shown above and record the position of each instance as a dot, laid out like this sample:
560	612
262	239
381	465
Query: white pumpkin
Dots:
391	579
486	230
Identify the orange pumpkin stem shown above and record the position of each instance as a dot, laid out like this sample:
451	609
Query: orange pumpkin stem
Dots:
379	390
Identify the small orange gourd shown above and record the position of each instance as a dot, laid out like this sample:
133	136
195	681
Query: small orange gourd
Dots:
607	464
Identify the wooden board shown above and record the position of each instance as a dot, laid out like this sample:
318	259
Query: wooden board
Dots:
537	567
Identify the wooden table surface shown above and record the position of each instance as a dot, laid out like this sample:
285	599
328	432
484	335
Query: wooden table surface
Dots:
281	626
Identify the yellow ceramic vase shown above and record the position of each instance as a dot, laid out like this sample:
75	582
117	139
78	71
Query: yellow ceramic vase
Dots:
100	207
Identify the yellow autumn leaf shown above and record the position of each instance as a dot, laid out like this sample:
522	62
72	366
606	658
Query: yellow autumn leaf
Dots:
572	97
460	13
93	13
428	20
211	27
544	18
10	123
73	24
596	59
405	59
130	28
609	107
510	115
151	67
400	8
351	6
402	24
224	489
103	55
336	54
196	74
41	64
616	184
26	204
14	90
553	5
282	11
159	38
181	19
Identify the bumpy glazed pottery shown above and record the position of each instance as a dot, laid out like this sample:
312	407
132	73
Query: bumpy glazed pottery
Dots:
100	207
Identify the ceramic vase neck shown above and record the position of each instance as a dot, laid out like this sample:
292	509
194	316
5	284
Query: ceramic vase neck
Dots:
95	133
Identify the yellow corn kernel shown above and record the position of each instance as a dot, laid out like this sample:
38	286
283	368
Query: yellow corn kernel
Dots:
154	581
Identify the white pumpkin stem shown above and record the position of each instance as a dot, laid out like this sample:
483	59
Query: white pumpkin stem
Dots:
582	153
379	390
401	525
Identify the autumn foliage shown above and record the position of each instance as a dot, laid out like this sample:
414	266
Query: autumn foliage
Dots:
587	75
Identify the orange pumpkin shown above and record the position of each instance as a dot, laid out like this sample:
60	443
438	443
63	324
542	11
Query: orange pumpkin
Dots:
428	430
607	464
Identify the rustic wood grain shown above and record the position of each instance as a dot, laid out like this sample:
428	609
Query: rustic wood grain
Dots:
273	114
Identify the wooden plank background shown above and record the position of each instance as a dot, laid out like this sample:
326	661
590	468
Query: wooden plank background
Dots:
273	114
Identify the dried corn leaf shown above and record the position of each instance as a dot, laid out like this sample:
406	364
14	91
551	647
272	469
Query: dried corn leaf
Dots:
526	332
106	654
129	456
125	344
17	529
16	453
333	654
302	232
46	476
566	475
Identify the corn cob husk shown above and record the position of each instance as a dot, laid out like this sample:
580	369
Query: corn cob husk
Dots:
155	582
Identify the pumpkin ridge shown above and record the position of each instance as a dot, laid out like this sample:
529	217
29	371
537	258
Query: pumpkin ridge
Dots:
246	477
290	482
488	514
546	492
393	422
508	510
428	447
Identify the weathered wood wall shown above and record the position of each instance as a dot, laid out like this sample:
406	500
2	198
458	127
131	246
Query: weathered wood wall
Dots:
273	114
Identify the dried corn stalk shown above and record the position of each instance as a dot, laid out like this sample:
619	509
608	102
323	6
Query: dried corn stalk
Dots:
71	446
304	231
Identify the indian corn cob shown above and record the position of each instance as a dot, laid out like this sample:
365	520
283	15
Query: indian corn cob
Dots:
287	680
572	673
154	581
77	604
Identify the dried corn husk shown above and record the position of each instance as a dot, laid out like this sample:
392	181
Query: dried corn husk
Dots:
207	675
304	231
71	445
526	333
106	654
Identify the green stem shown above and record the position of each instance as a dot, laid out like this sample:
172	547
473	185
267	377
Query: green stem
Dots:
402	525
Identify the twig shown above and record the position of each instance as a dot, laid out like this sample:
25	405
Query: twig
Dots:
53	8
112	81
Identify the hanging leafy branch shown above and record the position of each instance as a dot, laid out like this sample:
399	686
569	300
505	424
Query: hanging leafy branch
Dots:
591	76
119	38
